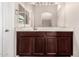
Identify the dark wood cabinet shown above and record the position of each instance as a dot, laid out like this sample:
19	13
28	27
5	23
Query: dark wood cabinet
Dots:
65	46
51	46
38	46
25	46
44	43
65	43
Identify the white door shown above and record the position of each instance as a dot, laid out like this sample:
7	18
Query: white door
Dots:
0	29
8	29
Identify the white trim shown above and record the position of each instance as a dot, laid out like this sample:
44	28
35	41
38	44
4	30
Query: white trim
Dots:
0	29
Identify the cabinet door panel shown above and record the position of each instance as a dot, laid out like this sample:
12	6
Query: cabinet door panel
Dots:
25	45
51	46
65	45
38	46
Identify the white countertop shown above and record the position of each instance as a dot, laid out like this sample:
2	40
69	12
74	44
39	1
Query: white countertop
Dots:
45	29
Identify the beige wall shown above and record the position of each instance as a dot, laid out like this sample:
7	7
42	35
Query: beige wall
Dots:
72	21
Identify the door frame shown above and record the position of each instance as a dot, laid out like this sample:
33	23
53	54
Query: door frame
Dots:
1	29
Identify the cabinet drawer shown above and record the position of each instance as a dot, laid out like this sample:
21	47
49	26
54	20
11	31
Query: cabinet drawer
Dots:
30	34
51	34
64	33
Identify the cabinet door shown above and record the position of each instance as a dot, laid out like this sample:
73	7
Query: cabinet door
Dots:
51	46
38	46
65	46
24	46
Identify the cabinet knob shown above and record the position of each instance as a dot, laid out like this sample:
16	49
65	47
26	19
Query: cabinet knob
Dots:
7	30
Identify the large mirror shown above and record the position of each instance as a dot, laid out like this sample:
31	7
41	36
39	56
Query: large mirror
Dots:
48	14
23	16
46	19
42	14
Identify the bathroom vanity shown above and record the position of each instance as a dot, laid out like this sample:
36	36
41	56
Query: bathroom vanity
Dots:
44	43
46	34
